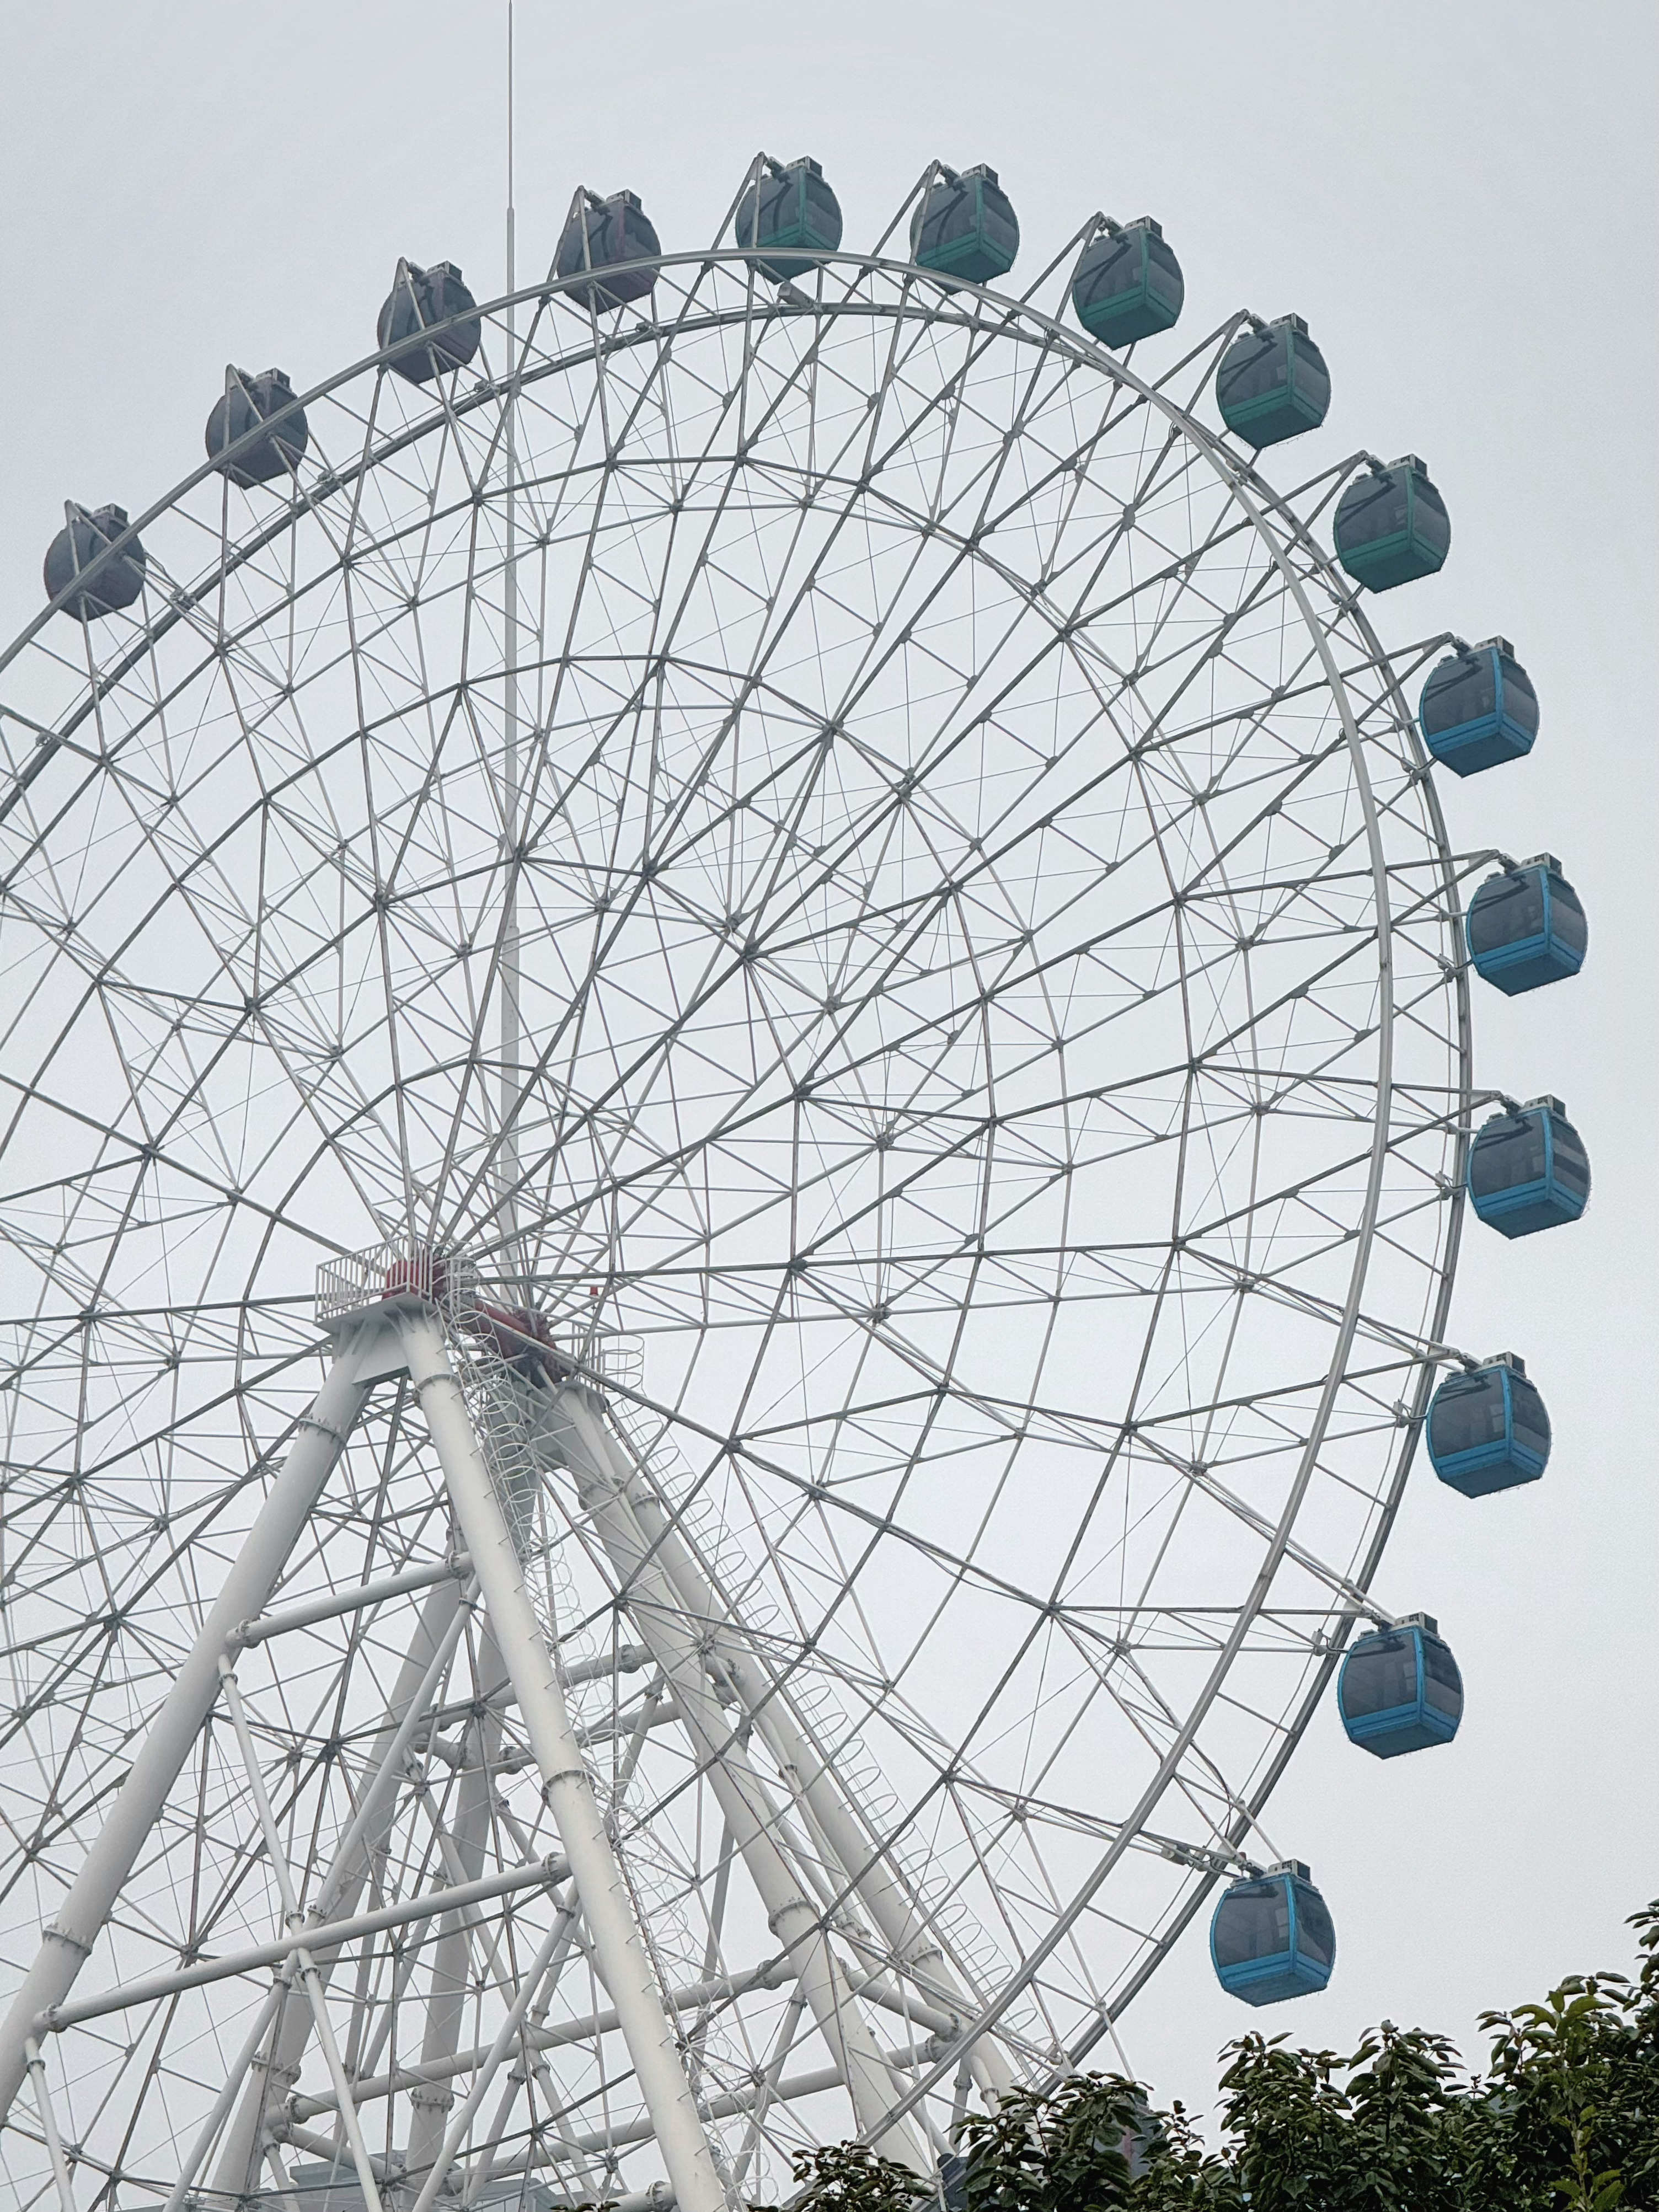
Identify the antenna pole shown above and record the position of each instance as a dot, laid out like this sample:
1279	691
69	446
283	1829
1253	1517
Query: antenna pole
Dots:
512	267
511	1016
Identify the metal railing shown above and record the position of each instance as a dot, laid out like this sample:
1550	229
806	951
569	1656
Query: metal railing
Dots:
472	1306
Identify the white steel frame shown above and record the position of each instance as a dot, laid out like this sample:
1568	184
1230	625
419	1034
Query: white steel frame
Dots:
825	919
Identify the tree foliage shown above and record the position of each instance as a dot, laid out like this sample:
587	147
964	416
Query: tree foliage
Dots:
1564	2119
1064	2152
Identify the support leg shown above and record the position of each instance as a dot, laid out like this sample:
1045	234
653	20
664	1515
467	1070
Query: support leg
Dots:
505	2046
452	1955
274	2073
221	2106
67	1941
915	1950
36	2065
292	1919
618	1948
663	1622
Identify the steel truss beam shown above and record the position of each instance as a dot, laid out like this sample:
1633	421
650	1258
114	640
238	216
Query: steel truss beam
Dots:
576	1435
910	1942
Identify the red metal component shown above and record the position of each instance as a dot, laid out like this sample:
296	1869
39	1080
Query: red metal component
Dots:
514	1331
421	1273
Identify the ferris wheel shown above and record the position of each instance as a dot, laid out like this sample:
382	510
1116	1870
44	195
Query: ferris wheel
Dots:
737	1104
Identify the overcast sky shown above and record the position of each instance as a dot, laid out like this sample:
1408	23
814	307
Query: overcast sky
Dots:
1459	198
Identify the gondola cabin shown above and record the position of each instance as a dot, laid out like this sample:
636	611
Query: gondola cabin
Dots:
86	533
1272	383
1400	1689
1529	1169
247	401
1392	525
1272	1936
965	226
1478	709
790	213
1488	1428
1527	927
422	300
1127	285
613	237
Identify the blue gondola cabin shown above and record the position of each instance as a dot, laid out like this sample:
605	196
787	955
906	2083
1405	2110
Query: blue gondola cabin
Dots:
1400	1689
420	300
87	532
1488	1428
1127	285
965	226
1272	383
1529	1169
1527	927
1392	525
791	212
614	236
1272	1936
247	401
1478	709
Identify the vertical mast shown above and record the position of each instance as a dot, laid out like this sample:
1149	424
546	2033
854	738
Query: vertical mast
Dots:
513	1258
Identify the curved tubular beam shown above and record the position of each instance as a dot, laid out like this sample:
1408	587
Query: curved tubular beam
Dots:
66	1940
1433	1346
618	1949
1244	488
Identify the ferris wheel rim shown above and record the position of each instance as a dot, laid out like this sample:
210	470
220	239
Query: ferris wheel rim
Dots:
1232	473
1083	351
1412	1416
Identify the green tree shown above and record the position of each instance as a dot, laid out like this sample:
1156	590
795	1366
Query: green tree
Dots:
1062	2152
1301	2140
1565	2119
851	2177
1568	2117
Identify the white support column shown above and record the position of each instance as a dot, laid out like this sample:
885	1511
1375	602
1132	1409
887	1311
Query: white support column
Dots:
208	2133
292	1919
663	1620
68	1940
277	2068
431	2168
915	1950
430	2103
619	1950
35	2064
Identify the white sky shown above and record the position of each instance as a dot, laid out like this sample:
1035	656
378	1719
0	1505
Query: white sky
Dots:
1459	198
